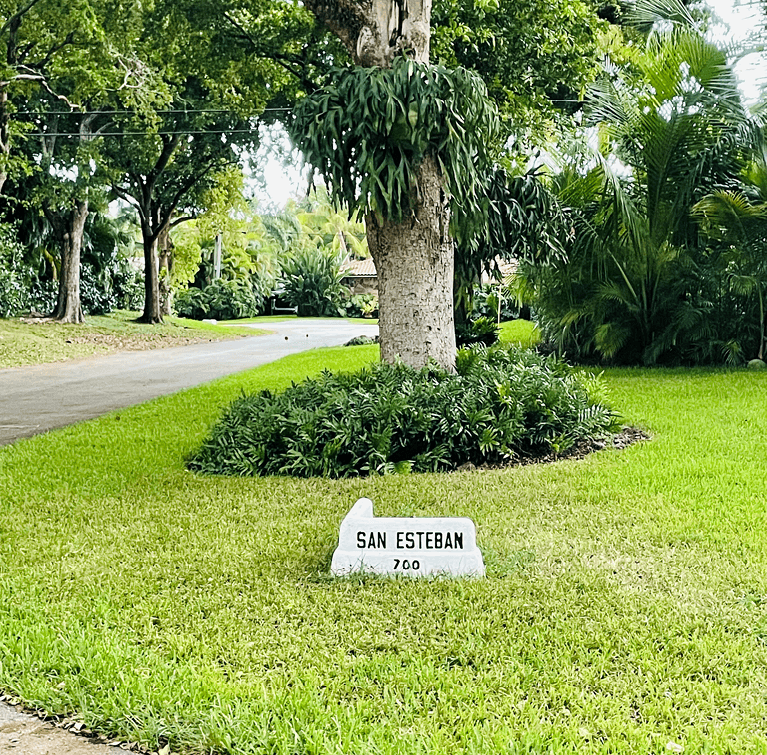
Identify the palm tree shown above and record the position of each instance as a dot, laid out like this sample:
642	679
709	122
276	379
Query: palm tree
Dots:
669	124
332	227
738	219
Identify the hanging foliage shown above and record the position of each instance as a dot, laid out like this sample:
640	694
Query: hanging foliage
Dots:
367	133
525	223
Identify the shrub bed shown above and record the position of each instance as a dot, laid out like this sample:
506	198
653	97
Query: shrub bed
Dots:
501	403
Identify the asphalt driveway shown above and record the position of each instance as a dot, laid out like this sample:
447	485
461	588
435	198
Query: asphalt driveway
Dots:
43	397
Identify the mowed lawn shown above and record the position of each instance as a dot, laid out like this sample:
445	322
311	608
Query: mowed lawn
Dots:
624	609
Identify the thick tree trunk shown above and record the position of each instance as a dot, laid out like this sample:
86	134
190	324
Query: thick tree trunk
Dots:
5	141
165	246
152	313
377	31
68	305
414	261
414	258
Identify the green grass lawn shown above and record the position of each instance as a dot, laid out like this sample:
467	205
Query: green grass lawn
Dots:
521	332
24	343
624	608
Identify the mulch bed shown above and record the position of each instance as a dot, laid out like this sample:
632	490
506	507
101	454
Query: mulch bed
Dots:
625	438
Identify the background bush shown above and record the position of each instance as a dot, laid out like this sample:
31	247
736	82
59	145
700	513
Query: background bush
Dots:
480	330
21	288
360	305
501	403
107	279
221	300
312	282
485	303
118	285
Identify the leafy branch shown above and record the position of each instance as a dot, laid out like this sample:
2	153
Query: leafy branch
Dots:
367	133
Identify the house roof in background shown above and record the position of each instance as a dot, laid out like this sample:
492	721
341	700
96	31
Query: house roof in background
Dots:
359	268
366	269
506	268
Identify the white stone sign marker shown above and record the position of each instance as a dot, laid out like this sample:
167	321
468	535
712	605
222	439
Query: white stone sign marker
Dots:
415	546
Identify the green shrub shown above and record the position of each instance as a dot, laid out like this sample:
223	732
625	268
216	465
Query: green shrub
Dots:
481	330
501	403
127	285
312	281
221	300
108	280
190	303
21	289
12	293
360	305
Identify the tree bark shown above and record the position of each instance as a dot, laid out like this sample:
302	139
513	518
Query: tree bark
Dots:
377	31
68	306
152	313
165	246
155	222
5	146
414	262
414	259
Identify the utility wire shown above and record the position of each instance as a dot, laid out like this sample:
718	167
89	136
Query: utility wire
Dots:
133	112
95	135
186	112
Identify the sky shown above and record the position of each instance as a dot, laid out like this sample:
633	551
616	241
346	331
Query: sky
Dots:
741	22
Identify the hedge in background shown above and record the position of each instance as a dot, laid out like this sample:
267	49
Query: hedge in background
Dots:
220	300
501	403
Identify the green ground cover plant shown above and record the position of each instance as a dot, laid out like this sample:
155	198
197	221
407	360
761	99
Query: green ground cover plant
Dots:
624	610
501	403
26	342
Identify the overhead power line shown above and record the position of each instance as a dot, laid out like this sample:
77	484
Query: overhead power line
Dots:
186	112
147	133
133	112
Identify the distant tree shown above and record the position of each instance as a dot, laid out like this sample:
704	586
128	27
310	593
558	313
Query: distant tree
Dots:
400	142
65	202
64	51
165	159
536	57
165	174
332	227
250	254
60	59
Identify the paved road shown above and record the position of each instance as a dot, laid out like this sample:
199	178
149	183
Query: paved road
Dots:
21	734
43	397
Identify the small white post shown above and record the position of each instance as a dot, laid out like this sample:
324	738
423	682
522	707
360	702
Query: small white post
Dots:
217	258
